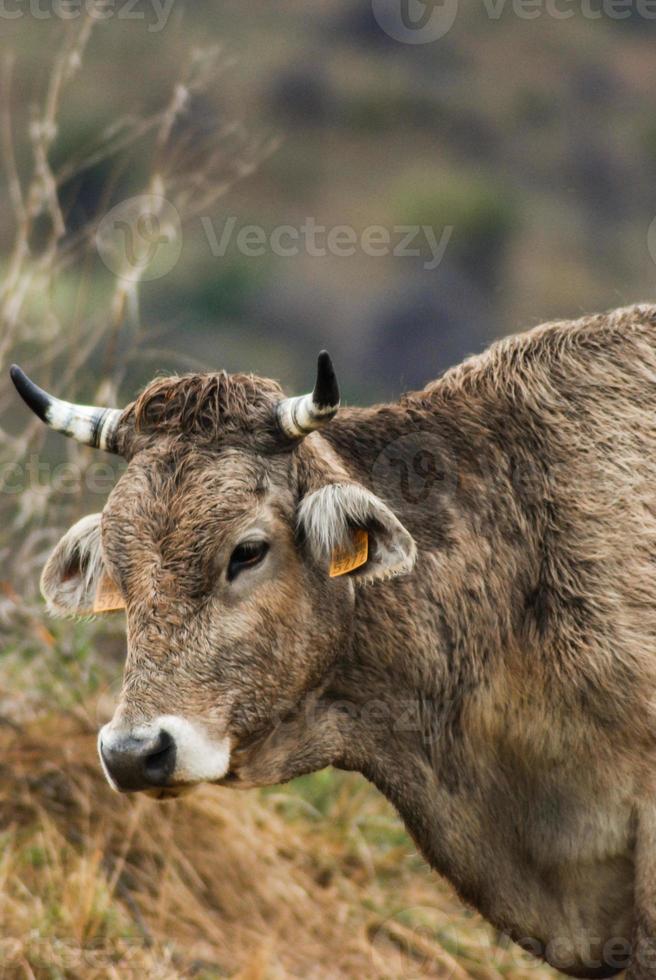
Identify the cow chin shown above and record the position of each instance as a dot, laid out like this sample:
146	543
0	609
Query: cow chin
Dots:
170	792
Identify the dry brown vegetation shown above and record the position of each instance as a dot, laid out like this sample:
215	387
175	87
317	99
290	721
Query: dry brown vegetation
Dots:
314	882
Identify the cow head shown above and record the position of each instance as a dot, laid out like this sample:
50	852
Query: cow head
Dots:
224	540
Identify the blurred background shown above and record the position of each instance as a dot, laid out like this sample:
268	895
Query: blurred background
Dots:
195	186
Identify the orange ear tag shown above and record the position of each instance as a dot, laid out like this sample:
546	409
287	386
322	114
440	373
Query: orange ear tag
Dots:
347	560
108	598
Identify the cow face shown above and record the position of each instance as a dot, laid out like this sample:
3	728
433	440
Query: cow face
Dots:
222	558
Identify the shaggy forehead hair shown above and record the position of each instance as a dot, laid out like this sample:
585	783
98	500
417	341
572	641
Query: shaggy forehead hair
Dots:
211	409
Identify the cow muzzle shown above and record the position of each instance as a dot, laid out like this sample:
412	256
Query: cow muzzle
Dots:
133	762
167	752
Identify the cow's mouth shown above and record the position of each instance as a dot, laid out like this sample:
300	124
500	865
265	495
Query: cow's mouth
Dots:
246	769
234	778
231	778
161	793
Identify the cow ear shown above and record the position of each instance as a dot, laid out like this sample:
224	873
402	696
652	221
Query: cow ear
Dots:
74	578
355	533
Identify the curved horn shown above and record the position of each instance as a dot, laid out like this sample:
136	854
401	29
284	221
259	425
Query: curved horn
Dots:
305	413
89	425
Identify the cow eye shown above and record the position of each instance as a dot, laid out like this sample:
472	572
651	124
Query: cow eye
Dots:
246	555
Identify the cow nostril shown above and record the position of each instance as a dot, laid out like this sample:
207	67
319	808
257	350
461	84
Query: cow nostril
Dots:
133	762
160	761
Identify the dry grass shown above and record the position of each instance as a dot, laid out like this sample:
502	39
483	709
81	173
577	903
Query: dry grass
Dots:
317	881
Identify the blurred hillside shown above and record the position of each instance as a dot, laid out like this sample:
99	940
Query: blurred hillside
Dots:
534	139
525	146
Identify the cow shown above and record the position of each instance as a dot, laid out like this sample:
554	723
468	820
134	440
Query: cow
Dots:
453	595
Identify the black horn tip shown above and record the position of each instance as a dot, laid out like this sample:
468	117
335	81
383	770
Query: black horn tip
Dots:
326	389
33	396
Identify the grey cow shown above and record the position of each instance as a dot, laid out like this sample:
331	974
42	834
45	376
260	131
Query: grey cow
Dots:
454	595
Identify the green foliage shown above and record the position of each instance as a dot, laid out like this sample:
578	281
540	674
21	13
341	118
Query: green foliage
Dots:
649	142
482	211
227	287
536	107
376	111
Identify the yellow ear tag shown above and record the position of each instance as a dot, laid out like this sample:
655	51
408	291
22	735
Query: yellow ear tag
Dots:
347	559
108	598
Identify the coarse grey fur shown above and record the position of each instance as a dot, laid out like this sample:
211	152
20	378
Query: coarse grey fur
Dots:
502	691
